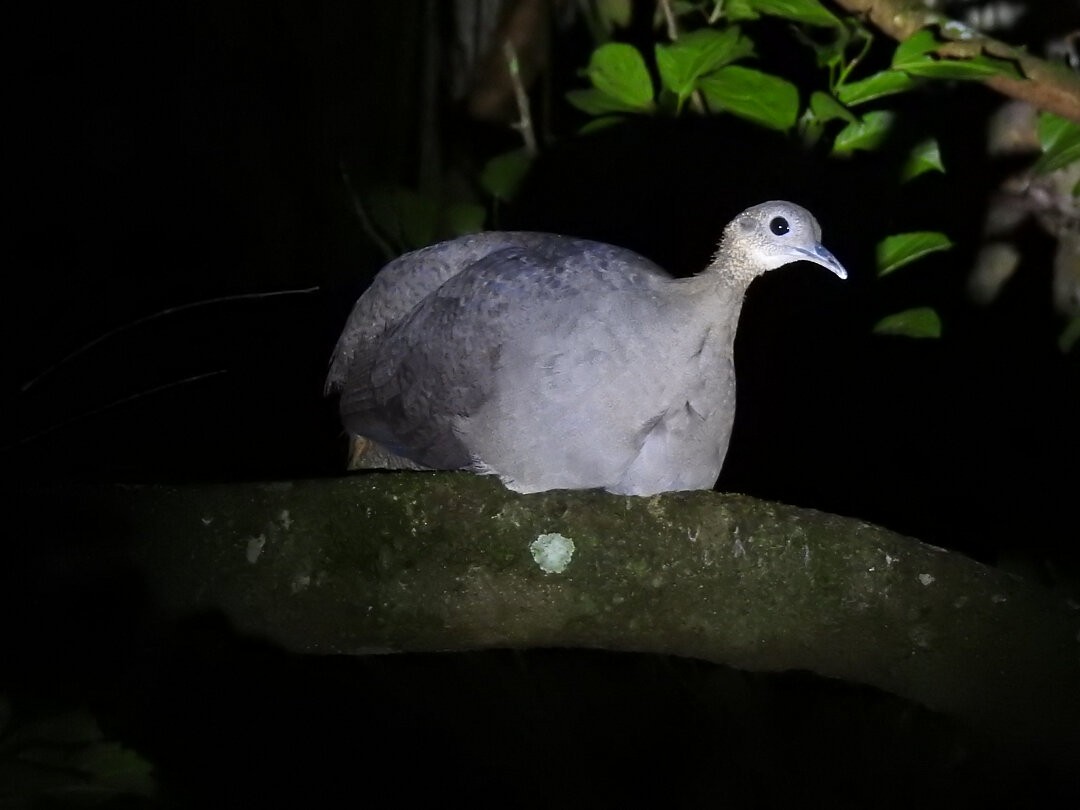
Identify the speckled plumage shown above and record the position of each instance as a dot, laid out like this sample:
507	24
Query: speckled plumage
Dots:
555	362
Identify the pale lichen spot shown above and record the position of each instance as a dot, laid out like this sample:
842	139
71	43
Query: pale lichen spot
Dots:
926	579
206	521
998	598
300	582
255	547
738	549
920	636
889	559
655	507
285	519
958	30
552	552
805	555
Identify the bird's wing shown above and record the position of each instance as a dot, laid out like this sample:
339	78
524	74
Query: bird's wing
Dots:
413	385
408	280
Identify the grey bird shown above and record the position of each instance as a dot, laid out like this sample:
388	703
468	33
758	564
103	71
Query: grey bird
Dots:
559	363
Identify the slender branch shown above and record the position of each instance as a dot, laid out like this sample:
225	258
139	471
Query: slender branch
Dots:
365	221
114	404
1048	86
669	19
26	386
717	12
524	124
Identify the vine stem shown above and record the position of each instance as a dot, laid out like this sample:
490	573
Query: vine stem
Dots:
26	386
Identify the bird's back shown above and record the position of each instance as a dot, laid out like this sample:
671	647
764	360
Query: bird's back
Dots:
529	262
442	330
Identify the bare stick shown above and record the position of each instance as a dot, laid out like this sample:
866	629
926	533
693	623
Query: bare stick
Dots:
524	123
139	321
115	404
669	19
365	221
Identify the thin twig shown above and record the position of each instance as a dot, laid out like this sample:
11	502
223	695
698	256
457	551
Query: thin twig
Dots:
697	100
669	19
139	321
115	404
524	123
365	221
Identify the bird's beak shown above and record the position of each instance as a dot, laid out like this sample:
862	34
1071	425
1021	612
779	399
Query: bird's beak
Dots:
821	255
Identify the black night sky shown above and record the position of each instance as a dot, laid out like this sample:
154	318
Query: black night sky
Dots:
163	154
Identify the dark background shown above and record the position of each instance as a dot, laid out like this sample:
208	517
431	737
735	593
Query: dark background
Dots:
168	153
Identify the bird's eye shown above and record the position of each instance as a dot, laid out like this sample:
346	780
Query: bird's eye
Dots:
779	226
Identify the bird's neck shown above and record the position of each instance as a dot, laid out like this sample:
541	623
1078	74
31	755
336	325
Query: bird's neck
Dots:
733	265
714	300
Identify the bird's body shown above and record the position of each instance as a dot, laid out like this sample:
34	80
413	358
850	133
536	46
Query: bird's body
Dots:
553	362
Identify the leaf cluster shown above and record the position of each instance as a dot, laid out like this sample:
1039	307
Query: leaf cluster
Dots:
708	65
710	71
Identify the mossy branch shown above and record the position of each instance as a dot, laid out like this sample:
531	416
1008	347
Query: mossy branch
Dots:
1048	86
429	561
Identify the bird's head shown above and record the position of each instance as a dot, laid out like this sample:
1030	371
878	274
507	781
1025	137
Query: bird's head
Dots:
771	235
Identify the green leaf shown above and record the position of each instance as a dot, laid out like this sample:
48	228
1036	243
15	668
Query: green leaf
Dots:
828	51
916	48
597	124
916	56
925	157
1070	335
867	133
883	83
614	13
977	67
463	218
111	766
759	97
804	11
738	10
895	251
406	217
920	322
593	102
1060	140
618	71
64	761
502	175
826	108
682	62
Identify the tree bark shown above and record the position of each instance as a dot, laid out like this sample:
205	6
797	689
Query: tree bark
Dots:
448	561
